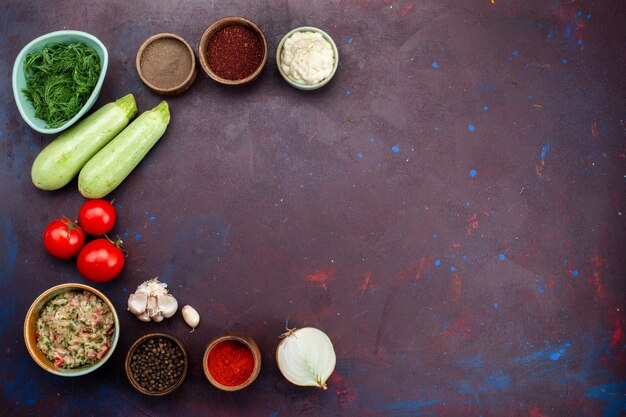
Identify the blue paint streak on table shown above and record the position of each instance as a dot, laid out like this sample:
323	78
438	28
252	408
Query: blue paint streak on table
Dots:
449	209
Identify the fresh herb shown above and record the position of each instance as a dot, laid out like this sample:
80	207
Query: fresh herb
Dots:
59	80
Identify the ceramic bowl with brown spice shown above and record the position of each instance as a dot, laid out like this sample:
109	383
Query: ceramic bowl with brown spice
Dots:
166	64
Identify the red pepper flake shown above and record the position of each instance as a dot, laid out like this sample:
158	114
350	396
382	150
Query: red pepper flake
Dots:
234	52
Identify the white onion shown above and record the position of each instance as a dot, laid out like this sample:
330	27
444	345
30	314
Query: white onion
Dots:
306	357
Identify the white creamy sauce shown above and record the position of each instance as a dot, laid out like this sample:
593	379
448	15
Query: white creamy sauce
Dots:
307	58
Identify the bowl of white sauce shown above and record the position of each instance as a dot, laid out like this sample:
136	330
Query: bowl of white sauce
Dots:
307	58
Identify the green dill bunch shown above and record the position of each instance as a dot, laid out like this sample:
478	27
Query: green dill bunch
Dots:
59	80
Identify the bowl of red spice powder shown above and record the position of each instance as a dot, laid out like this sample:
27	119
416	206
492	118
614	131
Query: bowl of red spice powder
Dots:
233	51
232	362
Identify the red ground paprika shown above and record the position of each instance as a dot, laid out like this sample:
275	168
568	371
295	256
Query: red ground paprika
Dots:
230	363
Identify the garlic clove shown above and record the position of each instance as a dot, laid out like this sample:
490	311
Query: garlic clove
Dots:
167	305
144	317
158	317
191	317
152	307
137	303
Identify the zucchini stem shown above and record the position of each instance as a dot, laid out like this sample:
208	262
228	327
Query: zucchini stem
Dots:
128	105
162	112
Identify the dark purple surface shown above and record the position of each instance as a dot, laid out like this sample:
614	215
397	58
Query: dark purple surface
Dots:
449	209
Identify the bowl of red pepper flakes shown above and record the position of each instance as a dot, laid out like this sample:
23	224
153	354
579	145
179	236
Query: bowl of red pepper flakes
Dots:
233	51
231	362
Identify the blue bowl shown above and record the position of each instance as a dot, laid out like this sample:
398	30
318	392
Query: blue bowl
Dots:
19	80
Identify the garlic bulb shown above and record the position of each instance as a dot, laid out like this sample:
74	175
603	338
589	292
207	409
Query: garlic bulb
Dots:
152	302
306	357
191	317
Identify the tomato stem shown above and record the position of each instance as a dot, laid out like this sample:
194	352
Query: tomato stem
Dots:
119	243
71	225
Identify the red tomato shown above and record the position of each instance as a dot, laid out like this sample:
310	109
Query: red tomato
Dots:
63	238
101	260
97	217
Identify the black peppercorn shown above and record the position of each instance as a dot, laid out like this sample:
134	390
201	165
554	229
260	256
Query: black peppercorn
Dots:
152	365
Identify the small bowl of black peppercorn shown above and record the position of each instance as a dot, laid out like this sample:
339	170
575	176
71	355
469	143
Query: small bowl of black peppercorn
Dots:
156	364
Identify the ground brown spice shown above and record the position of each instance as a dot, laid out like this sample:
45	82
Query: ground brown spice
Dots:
166	63
234	52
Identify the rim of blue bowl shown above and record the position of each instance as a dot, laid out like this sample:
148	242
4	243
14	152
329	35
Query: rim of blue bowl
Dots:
94	94
279	50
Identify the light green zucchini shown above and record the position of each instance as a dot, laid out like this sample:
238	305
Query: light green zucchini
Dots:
64	157
109	167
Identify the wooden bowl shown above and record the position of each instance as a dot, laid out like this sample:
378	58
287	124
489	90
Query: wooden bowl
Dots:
249	343
148	54
30	330
131	377
216	26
